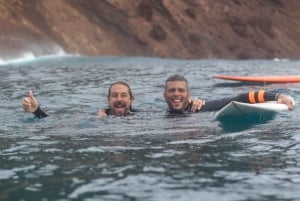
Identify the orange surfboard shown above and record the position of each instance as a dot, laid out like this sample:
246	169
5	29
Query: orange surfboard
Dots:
264	79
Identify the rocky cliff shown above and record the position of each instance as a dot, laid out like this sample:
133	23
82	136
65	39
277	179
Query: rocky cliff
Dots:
233	29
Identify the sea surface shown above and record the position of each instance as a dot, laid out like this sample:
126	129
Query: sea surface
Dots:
149	156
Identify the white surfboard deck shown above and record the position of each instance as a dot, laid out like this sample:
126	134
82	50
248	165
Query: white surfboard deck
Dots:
238	109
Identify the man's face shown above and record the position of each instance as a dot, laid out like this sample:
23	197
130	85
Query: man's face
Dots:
119	99
176	95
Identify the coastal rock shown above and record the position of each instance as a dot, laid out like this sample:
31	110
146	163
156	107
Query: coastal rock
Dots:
233	29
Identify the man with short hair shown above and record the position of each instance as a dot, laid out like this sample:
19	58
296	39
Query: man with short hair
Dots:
177	94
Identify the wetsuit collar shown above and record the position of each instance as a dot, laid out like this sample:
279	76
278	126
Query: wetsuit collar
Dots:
186	110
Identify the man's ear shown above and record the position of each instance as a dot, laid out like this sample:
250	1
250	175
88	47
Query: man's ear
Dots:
164	95
132	98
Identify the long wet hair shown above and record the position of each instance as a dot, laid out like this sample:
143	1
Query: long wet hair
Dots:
121	83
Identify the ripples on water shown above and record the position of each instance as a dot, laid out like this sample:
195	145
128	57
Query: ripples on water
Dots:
72	155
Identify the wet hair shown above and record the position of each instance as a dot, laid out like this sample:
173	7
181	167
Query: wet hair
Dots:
121	83
177	77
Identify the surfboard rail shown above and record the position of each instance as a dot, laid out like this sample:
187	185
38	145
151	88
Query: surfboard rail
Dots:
238	109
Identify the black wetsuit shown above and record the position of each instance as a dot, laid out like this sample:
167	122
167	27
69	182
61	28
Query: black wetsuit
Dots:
130	112
251	97
42	114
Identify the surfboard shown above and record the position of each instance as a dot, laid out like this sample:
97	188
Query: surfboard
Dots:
264	79
239	109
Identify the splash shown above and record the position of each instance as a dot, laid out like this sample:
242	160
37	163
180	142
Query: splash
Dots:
30	56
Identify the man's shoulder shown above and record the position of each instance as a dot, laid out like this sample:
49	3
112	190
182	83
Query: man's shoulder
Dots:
134	110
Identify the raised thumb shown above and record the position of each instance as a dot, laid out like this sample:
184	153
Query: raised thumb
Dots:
30	94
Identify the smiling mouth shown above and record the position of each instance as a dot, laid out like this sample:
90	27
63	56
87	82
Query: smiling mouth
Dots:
176	101
176	104
119	107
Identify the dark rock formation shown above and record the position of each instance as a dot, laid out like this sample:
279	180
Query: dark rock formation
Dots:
234	29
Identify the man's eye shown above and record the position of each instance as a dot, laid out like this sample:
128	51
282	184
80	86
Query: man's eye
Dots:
171	90
181	90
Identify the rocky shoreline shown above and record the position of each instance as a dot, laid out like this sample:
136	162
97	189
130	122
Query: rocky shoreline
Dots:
190	29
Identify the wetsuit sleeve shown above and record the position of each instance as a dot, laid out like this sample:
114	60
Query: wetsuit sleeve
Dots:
40	113
251	97
107	111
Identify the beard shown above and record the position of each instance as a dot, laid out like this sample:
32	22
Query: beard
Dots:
177	105
120	108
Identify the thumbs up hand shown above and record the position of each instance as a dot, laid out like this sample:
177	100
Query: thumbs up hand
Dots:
30	104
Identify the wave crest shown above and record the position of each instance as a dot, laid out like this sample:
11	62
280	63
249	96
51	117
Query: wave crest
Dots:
28	55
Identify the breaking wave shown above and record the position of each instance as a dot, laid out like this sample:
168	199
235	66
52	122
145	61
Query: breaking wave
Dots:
26	56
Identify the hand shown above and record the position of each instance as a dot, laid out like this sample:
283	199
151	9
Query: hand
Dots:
285	99
101	113
30	104
196	104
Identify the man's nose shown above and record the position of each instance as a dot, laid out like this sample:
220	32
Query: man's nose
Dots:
176	91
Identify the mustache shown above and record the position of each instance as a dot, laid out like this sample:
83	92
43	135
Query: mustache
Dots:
119	104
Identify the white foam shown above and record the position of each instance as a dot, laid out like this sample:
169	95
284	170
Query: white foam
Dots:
23	57
29	56
281	59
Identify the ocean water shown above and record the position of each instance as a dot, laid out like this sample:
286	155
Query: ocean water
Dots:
150	156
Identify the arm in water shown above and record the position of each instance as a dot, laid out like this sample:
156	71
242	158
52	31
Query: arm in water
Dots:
251	97
30	104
